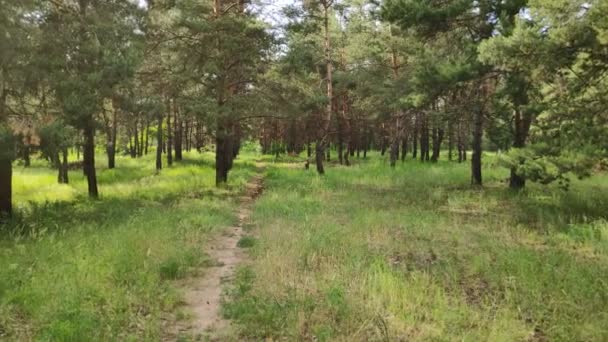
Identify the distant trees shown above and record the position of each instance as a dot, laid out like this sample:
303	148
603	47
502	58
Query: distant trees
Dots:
406	77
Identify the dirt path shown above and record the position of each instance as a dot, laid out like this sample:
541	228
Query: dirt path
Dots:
203	294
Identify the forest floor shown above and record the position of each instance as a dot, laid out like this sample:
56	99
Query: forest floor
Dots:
364	253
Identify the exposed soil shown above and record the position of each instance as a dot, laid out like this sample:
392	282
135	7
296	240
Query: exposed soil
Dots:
202	299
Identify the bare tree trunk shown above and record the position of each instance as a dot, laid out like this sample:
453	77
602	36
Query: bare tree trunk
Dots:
6	176
522	123
65	166
89	160
6	148
477	149
178	133
169	135
323	137
159	144
147	139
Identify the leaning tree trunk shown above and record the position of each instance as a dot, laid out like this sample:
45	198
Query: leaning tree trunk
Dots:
89	160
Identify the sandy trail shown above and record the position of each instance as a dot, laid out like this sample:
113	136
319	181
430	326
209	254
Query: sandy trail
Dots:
203	294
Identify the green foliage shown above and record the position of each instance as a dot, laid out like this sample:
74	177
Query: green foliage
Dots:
537	164
55	137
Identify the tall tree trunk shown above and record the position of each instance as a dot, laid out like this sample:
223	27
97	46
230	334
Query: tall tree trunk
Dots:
136	146
450	141
147	139
437	140
65	166
89	160
6	176
319	156
57	165
323	136
111	134
178	132
142	133
221	150
159	144
522	123
6	165
404	147
394	156
169	135
477	148
27	150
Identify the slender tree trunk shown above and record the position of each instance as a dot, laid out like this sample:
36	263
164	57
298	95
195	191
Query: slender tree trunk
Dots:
221	150
169	136
147	141
323	137
404	147
65	166
27	151
394	156
6	165
178	133
319	155
142	133
57	165
415	140
159	144
437	140
6	176
450	141
89	160
477	148
136	140
522	123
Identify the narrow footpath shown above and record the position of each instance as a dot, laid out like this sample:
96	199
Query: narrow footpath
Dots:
203	294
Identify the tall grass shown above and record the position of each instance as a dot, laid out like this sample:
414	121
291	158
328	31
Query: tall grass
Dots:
414	253
74	269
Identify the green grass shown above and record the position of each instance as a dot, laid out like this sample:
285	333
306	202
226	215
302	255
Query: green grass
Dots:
414	253
74	269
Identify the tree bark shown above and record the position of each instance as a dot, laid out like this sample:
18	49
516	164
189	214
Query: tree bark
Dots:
6	176
178	133
169	135
323	136
476	178
437	140
89	160
65	166
147	141
159	144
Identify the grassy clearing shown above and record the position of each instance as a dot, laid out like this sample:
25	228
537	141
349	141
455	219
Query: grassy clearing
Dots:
72	269
370	253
